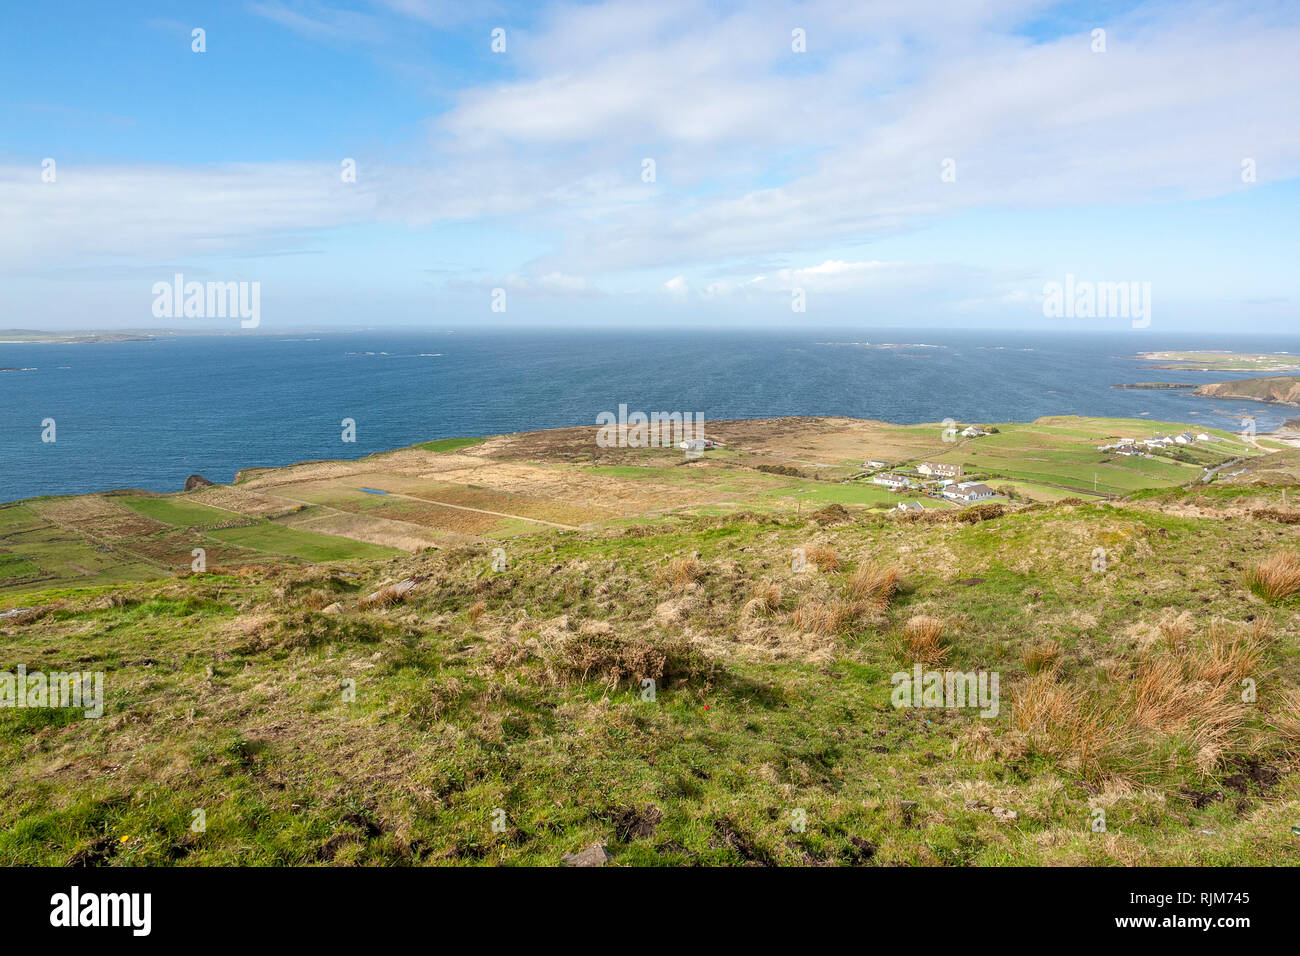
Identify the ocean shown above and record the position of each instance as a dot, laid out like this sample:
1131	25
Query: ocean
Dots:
149	414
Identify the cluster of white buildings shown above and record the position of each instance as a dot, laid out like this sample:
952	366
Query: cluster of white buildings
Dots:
1132	446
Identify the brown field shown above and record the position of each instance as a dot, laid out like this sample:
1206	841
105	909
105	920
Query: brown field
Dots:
89	508
241	501
456	520
375	530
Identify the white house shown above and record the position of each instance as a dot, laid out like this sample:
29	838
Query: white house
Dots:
972	431
909	506
892	482
1204	436
1186	438
696	444
968	491
872	463
935	469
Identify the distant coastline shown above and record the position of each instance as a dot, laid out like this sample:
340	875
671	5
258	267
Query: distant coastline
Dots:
32	336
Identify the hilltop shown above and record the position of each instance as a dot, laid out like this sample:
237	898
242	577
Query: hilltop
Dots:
460	670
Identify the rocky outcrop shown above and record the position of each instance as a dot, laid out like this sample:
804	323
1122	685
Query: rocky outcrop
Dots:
197	481
1279	389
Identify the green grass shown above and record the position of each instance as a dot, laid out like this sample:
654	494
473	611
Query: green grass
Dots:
447	728
178	512
223	691
307	545
450	444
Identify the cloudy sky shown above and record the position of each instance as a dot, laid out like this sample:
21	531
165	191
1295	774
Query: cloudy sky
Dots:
667	163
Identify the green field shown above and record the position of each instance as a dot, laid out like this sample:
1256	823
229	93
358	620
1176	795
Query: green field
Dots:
307	545
178	512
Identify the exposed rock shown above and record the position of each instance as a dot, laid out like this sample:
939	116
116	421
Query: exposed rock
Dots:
197	481
594	855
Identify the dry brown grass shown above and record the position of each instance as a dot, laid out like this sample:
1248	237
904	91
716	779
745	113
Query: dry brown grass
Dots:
765	602
1286	721
602	655
1043	656
822	555
874	584
1276	577
682	572
1176	630
814	616
1179	703
923	637
476	610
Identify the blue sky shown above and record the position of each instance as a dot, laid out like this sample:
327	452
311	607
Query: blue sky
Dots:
775	170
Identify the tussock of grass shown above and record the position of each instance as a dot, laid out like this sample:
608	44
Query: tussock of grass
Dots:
873	584
923	640
682	572
826	618
1276	577
1045	656
823	556
766	600
600	654
1286	722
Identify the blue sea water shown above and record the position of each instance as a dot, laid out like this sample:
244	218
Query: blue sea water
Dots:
148	414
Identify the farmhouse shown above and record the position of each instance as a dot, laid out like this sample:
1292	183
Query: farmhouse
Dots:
872	463
968	491
972	431
909	506
696	444
935	469
892	482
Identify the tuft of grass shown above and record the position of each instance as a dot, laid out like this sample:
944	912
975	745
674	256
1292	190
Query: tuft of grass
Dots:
1045	656
824	556
1275	578
873	584
766	600
1287	722
827	618
682	572
923	638
599	653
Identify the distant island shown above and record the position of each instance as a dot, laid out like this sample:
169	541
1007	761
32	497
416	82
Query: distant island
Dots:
1277	389
1157	385
1223	361
27	336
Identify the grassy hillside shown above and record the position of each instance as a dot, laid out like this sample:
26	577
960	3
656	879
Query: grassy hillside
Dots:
319	713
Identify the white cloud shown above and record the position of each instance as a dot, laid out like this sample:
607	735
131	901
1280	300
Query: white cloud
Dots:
760	152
